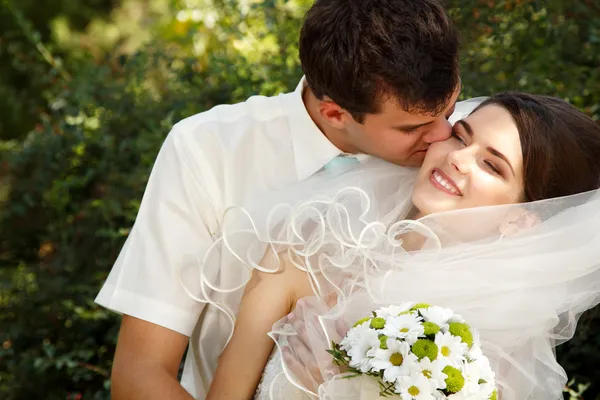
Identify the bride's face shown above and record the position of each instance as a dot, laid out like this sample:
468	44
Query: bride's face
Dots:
481	164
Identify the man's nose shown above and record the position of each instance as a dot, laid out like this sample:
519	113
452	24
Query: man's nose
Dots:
438	132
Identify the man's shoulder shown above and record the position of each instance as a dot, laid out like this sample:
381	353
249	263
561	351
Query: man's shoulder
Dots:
235	129
256	110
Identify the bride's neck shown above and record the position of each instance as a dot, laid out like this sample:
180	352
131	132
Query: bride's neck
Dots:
414	214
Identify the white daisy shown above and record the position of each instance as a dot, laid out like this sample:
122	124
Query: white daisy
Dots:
357	343
393	310
439	395
406	326
472	375
462	395
457	318
486	372
486	390
475	352
451	349
432	371
414	388
438	315
395	361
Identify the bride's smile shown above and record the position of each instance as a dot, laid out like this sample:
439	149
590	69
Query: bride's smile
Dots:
444	182
481	164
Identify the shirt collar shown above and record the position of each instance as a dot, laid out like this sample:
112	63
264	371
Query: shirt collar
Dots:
312	149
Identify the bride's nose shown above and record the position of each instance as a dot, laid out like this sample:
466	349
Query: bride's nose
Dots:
462	159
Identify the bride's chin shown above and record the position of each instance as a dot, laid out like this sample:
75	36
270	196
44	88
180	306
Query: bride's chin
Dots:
430	202
421	206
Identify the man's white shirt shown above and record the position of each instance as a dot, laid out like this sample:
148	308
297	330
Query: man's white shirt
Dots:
213	160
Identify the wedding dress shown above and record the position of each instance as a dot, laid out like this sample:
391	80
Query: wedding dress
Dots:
274	383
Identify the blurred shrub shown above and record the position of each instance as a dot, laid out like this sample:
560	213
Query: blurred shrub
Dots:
547	47
70	187
25	76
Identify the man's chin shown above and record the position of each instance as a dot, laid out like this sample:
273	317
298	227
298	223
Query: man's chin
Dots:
415	160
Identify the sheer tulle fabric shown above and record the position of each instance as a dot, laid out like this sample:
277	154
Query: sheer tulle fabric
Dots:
520	274
309	223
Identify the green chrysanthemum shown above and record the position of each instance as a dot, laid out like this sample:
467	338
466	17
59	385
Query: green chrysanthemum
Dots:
420	305
494	395
425	348
361	321
383	342
405	312
378	323
430	328
463	331
455	380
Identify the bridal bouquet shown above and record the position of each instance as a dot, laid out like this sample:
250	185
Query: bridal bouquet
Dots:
417	351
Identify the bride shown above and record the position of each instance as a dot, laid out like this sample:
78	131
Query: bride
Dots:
499	224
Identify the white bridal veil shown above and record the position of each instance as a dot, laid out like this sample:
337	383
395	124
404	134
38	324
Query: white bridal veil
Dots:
520	274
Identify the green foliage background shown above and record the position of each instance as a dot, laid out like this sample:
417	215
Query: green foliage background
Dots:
88	91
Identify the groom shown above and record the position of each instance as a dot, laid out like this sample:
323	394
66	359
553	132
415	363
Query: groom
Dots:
381	79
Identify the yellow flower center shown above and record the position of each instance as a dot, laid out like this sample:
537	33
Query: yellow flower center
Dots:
404	330
396	359
427	373
413	391
445	351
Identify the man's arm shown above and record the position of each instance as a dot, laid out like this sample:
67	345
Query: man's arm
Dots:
175	224
147	361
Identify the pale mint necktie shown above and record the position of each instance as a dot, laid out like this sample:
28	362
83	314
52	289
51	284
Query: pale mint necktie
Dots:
340	163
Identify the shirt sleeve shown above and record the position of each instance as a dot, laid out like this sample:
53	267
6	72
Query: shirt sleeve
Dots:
176	221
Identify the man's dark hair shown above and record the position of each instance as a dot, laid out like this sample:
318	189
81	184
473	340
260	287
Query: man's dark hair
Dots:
357	52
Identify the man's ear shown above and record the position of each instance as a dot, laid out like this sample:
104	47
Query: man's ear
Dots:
332	113
518	220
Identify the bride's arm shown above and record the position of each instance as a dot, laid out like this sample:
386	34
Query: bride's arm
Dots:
268	297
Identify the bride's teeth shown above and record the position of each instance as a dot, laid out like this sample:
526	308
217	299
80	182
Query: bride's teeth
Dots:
444	182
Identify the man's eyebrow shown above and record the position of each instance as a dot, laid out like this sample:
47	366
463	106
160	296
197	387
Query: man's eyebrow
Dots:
494	152
411	127
417	126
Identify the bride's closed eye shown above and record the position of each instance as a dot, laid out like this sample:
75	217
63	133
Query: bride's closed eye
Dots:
488	164
493	168
456	137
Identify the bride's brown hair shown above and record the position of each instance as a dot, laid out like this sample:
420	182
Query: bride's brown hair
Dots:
561	145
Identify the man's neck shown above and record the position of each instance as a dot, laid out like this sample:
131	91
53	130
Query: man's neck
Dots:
335	136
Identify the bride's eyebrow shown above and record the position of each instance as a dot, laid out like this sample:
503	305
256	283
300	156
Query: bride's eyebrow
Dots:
502	157
465	126
495	152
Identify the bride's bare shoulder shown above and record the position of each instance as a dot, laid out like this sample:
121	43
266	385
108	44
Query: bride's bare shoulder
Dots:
280	268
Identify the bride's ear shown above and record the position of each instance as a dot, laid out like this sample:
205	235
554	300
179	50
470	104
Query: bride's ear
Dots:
518	220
